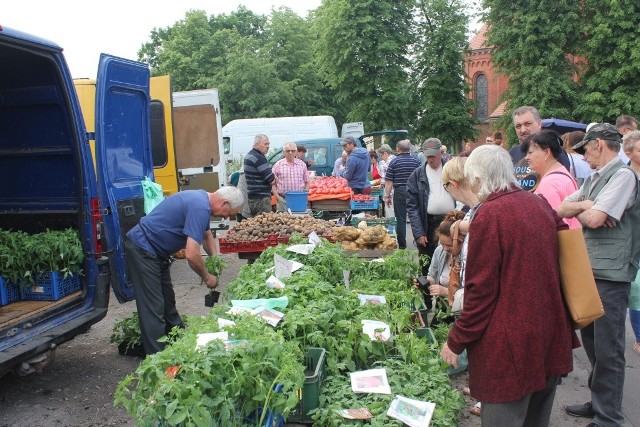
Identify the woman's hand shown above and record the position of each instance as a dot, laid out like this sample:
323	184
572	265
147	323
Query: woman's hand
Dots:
449	356
438	290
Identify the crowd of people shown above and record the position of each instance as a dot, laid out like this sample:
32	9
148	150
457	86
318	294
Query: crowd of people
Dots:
488	251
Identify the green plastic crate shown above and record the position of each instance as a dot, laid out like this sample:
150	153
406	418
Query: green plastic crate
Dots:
310	397
426	333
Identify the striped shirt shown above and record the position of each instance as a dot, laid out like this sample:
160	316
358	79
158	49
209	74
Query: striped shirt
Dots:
401	168
258	175
291	177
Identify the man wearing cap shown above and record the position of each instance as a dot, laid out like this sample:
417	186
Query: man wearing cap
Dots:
428	202
386	156
606	205
358	165
395	179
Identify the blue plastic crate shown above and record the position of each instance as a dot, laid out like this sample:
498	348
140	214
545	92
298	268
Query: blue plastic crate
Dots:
370	205
8	292
51	286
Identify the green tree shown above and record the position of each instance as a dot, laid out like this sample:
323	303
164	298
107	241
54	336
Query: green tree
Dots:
443	109
362	52
532	41
610	80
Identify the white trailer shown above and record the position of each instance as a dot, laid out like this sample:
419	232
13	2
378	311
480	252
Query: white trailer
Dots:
238	134
198	140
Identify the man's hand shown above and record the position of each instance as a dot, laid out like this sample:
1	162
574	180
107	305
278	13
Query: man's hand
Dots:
422	240
211	281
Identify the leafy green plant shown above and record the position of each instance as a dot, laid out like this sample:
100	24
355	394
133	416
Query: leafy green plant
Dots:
127	331
215	385
214	265
23	256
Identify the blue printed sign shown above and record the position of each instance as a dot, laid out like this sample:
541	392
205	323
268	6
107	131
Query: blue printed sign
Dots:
528	179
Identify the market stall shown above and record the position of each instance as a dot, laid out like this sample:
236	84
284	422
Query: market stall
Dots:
300	340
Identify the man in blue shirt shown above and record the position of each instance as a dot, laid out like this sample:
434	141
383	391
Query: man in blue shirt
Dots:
181	221
396	176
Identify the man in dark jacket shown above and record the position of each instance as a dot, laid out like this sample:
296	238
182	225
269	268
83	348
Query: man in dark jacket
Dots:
427	202
358	165
259	176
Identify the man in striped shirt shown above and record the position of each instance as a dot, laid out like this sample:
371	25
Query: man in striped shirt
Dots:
396	176
291	174
260	179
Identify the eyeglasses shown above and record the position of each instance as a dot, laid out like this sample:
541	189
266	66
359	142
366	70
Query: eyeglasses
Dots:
446	186
290	151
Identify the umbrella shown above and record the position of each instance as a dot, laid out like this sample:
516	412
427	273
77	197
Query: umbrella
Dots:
562	126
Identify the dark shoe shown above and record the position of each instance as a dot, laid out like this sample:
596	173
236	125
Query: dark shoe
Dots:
593	425
585	411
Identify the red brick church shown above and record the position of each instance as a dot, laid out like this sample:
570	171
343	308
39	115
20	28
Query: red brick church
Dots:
487	86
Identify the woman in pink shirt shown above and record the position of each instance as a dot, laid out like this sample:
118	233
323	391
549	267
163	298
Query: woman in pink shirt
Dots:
542	152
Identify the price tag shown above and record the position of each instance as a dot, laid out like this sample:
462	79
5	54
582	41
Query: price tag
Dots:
284	267
345	276
314	239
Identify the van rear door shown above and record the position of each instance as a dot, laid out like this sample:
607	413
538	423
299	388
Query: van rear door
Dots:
123	156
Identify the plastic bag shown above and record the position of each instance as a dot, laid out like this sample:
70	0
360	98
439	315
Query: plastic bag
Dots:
152	194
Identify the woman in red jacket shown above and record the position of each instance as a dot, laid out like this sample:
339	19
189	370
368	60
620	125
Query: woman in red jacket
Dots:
514	325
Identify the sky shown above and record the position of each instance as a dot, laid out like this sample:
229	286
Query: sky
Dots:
84	29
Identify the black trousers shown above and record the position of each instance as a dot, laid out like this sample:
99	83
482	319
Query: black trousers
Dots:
155	298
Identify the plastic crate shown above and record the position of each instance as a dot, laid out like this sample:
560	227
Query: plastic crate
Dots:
51	286
8	292
426	333
227	247
310	397
369	205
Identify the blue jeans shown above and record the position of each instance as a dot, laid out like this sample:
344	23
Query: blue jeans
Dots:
634	317
604	343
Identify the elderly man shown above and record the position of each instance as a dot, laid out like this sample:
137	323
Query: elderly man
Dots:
427	202
291	174
605	206
358	165
340	164
180	221
625	124
395	178
259	177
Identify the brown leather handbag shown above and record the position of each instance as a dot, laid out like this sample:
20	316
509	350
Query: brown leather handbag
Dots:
578	285
454	264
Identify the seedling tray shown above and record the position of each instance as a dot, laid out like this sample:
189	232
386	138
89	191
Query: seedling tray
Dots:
310	397
51	286
8	292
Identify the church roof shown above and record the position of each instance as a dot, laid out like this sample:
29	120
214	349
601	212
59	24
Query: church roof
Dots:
479	39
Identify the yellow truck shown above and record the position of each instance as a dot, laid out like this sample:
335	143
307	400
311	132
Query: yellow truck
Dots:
186	135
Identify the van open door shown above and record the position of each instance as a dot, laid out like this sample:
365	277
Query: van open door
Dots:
123	156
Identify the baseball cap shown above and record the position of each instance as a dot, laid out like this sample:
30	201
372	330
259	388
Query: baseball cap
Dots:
348	140
431	147
604	131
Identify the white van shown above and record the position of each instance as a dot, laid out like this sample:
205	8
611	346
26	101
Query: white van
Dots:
238	134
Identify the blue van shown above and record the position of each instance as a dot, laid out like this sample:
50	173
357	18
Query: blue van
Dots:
48	181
